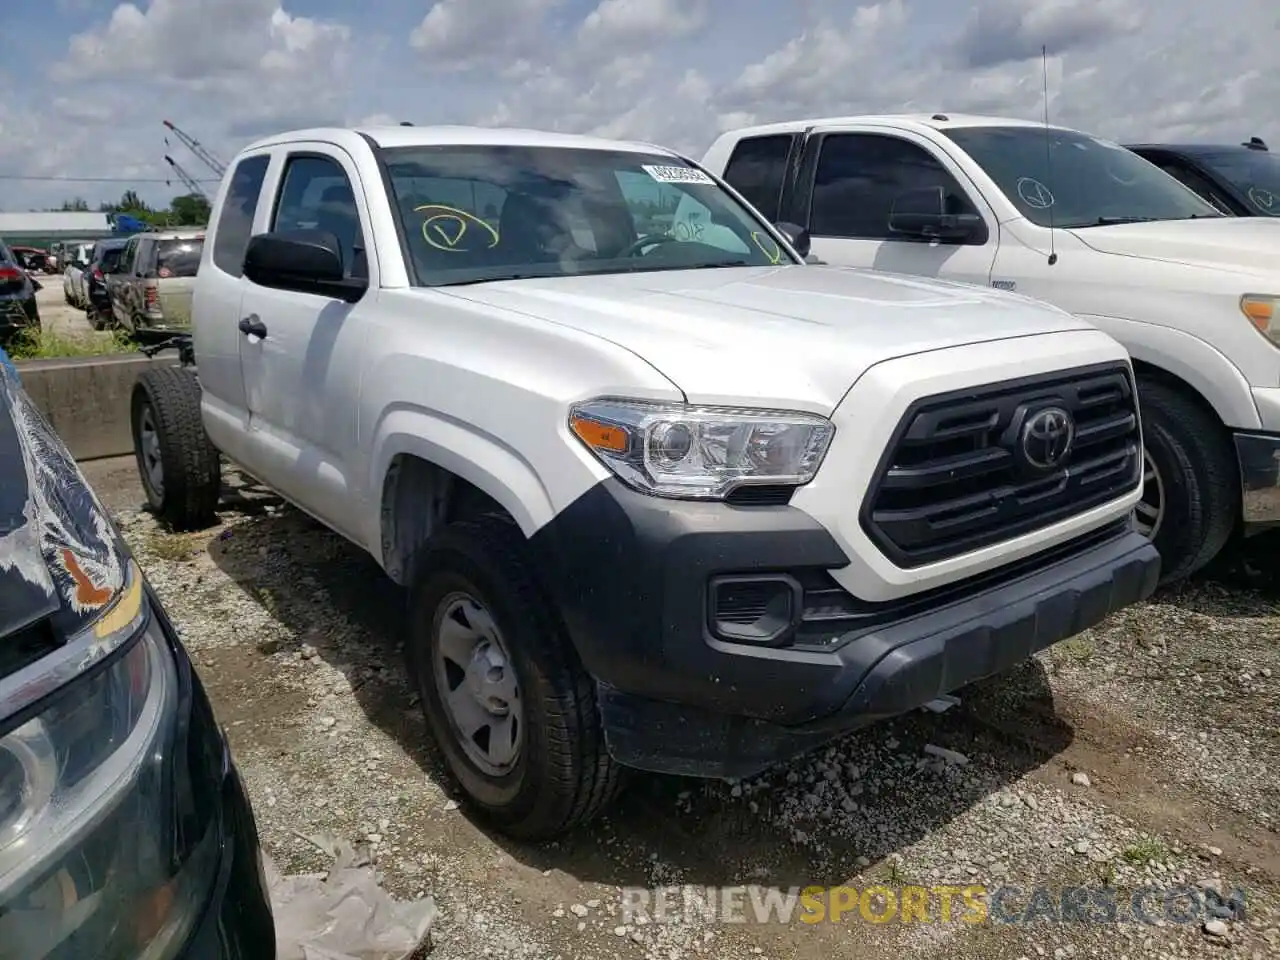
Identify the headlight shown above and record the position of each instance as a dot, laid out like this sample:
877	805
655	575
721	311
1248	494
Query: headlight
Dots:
103	852
701	453
1263	311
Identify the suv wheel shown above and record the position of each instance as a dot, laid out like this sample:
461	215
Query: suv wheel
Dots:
1191	498
177	462
511	708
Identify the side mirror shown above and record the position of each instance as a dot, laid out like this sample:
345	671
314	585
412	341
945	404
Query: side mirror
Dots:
306	261
923	214
796	235
36	285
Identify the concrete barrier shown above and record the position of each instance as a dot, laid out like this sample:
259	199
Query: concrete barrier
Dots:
86	399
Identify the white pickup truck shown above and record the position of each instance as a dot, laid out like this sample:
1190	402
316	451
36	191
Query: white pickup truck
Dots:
1085	225
663	495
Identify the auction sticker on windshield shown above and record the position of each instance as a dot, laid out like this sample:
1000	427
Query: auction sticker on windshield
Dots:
673	174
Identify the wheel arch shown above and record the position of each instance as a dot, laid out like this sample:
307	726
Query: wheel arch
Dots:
427	470
1188	364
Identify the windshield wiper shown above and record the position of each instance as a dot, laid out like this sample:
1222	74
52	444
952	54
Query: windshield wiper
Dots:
1108	221
504	276
726	263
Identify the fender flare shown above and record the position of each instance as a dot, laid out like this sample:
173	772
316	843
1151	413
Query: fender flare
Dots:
1196	362
481	459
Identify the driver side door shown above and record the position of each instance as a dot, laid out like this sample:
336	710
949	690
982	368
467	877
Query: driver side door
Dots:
850	181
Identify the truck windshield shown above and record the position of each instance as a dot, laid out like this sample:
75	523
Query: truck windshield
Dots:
477	213
1066	179
1254	173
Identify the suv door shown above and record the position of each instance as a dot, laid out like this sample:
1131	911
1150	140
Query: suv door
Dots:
302	380
850	179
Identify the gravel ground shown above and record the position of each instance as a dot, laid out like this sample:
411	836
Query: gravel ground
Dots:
1143	752
58	316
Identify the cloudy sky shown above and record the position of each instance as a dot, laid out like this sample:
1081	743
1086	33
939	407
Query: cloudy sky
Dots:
88	82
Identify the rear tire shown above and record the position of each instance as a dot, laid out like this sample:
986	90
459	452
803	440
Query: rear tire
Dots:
177	462
562	775
1192	492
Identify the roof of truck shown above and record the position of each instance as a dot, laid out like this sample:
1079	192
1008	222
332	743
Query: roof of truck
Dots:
936	121
411	136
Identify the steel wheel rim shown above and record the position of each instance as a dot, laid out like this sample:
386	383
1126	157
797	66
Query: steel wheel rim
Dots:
149	441
476	681
1150	509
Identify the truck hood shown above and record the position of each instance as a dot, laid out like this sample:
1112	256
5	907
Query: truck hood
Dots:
60	556
1234	243
795	334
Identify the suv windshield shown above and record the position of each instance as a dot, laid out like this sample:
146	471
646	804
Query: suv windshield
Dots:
477	213
178	258
1075	180
1254	173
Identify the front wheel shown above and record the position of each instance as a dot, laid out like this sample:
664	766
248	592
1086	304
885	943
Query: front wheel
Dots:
177	462
1191	494
510	706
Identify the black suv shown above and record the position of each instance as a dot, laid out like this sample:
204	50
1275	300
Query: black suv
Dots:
1239	179
17	296
125	831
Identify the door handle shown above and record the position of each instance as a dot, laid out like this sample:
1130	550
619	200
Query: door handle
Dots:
252	325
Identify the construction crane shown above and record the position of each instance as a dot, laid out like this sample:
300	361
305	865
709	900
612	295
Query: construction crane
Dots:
191	183
194	145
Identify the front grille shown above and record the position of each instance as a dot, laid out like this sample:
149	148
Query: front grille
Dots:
962	471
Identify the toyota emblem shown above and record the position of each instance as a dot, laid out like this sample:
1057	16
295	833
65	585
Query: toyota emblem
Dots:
1047	437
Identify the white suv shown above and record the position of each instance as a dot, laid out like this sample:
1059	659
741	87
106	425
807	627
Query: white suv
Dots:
663	495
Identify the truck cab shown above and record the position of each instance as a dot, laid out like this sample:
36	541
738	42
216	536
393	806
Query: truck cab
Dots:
1086	225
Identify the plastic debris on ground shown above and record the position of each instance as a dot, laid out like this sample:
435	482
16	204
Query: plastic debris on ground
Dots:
343	914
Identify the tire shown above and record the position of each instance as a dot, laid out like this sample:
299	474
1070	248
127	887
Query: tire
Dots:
1191	468
100	318
166	406
562	775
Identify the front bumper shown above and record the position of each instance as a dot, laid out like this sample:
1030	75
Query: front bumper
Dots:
637	581
1258	455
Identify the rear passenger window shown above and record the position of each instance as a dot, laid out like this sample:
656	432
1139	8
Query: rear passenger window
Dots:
757	168
236	221
317	196
859	177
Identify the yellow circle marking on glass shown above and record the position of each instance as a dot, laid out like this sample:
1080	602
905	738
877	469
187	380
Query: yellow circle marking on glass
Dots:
444	227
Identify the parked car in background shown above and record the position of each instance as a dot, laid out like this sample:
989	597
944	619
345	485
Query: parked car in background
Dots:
105	262
1240	179
125	830
675	501
1090	227
18	309
151	292
77	257
32	259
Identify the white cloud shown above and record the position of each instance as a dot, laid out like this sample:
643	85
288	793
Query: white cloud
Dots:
464	34
671	71
641	21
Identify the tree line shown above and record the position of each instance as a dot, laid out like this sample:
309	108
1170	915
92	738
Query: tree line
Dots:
187	210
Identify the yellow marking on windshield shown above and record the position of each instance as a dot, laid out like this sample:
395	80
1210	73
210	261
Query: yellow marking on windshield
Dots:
445	227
